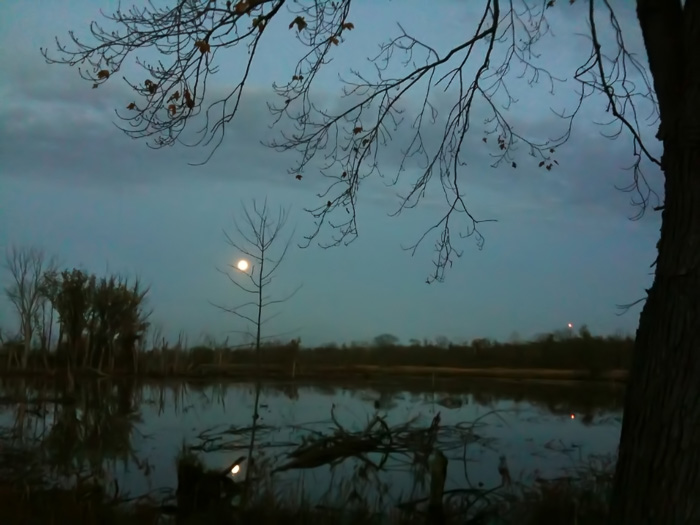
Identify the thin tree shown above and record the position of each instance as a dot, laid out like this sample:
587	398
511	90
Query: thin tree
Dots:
27	267
259	231
657	477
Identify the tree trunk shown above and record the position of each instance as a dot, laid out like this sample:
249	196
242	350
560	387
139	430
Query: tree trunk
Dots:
27	345
658	472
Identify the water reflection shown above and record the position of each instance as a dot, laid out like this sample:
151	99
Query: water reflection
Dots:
128	434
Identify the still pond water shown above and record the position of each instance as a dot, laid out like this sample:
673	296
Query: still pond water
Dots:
133	432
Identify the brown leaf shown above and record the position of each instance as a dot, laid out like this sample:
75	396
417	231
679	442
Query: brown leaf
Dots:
241	6
131	106
349	26
203	46
541	164
94	86
299	22
174	97
334	40
103	74
151	86
357	130
188	99
298	177
172	109
329	204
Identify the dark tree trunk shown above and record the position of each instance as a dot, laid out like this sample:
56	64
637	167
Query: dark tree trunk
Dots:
658	472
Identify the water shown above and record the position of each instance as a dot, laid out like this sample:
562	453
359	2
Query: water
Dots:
132	432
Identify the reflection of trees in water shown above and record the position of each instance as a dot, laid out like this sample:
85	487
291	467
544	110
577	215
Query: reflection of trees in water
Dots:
83	430
89	429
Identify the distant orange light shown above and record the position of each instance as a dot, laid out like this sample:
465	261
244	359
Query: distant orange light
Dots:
570	325
573	416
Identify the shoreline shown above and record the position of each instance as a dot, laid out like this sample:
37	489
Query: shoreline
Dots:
339	373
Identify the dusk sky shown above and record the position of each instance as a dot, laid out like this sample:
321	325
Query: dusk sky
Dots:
563	249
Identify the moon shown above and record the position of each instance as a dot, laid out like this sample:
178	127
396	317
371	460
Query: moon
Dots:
242	265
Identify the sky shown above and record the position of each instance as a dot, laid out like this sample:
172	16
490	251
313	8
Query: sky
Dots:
563	249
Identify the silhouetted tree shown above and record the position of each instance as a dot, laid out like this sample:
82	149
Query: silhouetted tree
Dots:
659	455
259	233
385	340
27	267
99	317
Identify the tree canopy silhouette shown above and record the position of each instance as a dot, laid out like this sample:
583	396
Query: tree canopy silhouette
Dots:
657	478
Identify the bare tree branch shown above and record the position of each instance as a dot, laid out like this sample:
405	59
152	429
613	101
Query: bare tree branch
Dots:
345	143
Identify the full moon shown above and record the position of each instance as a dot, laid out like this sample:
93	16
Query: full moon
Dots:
242	265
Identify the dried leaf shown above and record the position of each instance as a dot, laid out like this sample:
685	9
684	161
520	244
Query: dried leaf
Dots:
349	26
541	164
172	109
345	174
188	99
334	40
299	22
357	130
131	106
203	46
241	6
103	74
298	177
329	204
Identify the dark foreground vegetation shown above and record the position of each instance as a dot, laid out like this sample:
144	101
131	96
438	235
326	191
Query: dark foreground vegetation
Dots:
567	501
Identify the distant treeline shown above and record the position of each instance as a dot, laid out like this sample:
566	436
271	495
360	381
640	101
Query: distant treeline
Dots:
554	351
